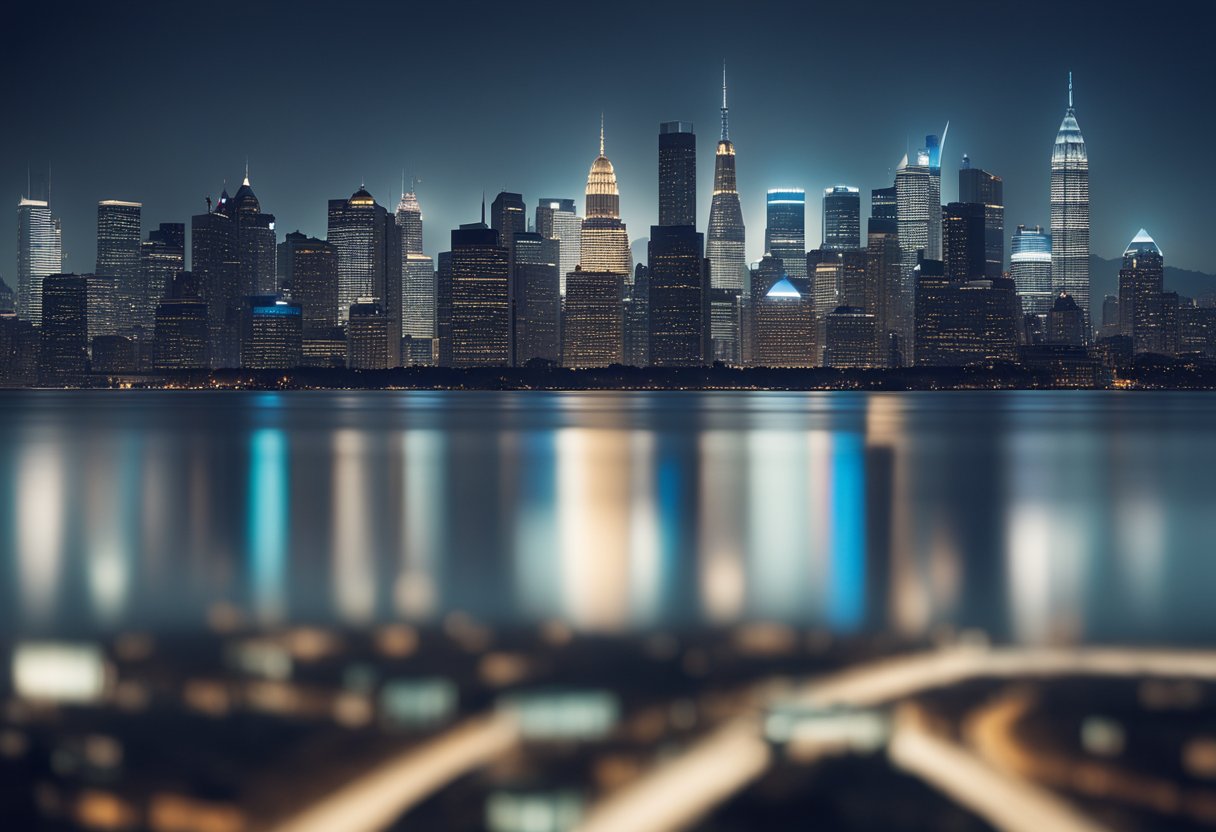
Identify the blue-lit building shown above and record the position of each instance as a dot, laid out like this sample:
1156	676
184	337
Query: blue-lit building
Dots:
1030	268
841	218
272	334
785	229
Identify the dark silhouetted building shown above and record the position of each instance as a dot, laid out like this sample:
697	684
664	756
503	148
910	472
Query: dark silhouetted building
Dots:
113	354
841	218
636	316
508	216
537	301
892	307
678	297
216	268
963	237
273	334
592	323
980	187
677	173
1066	322
255	242
64	355
181	330
475	298
964	322
310	274
19	349
851	338
161	258
367	336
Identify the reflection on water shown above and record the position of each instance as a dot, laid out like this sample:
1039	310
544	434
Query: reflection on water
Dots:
1035	516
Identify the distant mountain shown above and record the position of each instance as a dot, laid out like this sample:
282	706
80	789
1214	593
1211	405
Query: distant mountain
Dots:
1104	280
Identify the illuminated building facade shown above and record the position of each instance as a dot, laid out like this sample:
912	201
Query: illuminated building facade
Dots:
1030	268
604	242
181	330
118	249
1145	311
479	315
273	334
784	328
1070	210
851	338
367	332
592	326
64	354
677	173
558	219
841	218
409	221
39	254
983	188
537	301
508	216
785	229
679	297
161	258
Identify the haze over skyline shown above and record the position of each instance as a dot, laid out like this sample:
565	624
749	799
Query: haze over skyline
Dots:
162	105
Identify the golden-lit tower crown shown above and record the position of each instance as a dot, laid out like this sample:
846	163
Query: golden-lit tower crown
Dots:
603	196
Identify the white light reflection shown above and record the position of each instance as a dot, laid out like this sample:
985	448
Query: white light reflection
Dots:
110	487
41	492
417	594
645	548
354	582
778	533
723	469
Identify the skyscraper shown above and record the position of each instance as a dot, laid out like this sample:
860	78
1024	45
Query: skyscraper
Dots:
1030	268
785	231
851	338
784	329
933	148
892	306
724	246
39	254
311	275
1142	312
356	231
478	306
161	258
272	334
604	243
558	219
914	206
963	241
118	250
255	242
1070	210
409	220
537	299
987	189
677	173
418	310
367	335
508	216
592	326
678	297
841	218
181	328
64	354
215	266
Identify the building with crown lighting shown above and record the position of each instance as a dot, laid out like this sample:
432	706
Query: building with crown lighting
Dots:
604	241
1070	210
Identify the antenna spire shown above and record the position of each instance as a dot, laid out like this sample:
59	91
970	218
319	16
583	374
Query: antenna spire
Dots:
483	207
601	133
246	182
403	182
725	125
1070	89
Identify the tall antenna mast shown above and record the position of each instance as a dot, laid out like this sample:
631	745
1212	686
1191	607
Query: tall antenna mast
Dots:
1070	89
725	128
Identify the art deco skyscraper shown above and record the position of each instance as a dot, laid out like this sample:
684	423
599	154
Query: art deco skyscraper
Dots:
724	241
785	230
418	285
677	173
841	218
39	254
1070	210
604	241
118	238
409	220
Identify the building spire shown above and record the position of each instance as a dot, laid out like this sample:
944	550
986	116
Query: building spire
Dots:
725	127
483	207
601	133
1070	89
246	182
403	183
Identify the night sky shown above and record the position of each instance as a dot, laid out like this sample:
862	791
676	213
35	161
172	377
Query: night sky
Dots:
163	102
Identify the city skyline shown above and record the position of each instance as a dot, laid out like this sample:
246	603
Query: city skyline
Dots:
841	141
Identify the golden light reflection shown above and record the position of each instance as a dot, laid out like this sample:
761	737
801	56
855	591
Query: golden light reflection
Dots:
40	520
353	571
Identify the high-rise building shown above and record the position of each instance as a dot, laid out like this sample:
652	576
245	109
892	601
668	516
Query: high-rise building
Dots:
478	298
215	265
418	312
892	305
987	189
933	148
273	334
181	328
310	275
964	322
592	323
726	236
725	325
508	216
255	242
1066	322
604	243
356	229
161	258
409	220
558	219
851	338
677	173
537	301
1070	210
64	354
784	328
19	351
367	336
1030	268
1142	311
963	241
841	218
39	254
118	249
785	231
884	205
637	318
914	206
678	297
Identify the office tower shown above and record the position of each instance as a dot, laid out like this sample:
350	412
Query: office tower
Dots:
604	243
1110	316
637	318
476	286
367	334
1141	314
677	173
118	249
914	201
255	242
963	241
508	217
784	329
8	299
963	322
181	330
1066	322
113	354
418	311
272	337
1197	329
933	148
310	273
841	218
785	232
327	348
356	231
64	355
851	337
725	325
39	254
558	219
678	297
537	302
824	271
19	349
1070	210
884	205
987	189
1030	268
725	238
592	322
893	305
161	257
394	286
409	221
216	268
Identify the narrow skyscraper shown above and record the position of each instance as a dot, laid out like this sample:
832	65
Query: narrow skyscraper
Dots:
1070	210
1143	311
987	189
558	219
841	218
604	244
785	232
677	173
508	217
724	247
39	254
114	310
1030	268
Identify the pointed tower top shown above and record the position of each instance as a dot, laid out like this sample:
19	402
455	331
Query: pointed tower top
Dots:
246	182
1070	89
483	207
601	133
725	125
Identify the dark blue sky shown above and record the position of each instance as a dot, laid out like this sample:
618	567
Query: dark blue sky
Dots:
162	102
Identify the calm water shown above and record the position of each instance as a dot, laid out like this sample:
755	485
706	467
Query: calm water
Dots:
1035	516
